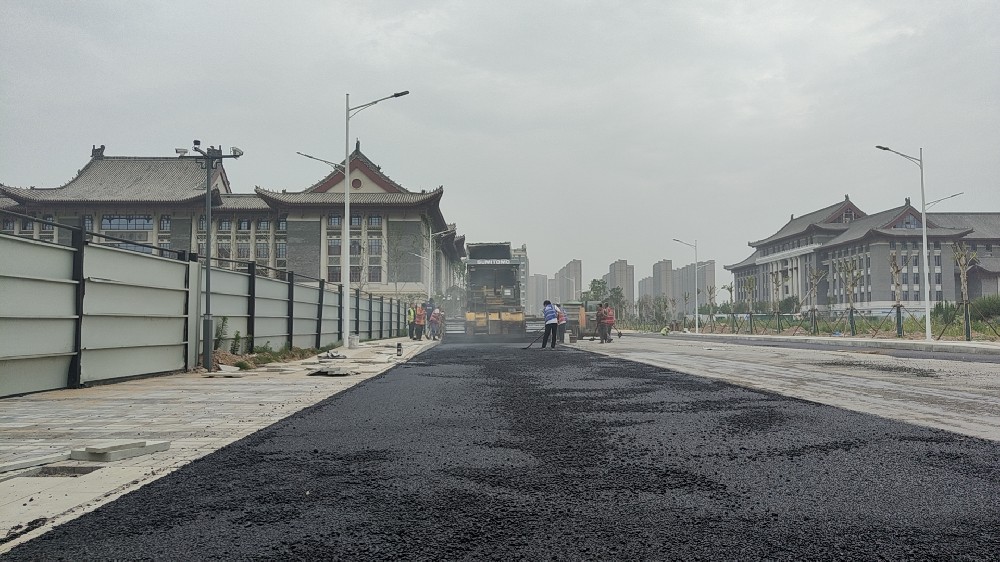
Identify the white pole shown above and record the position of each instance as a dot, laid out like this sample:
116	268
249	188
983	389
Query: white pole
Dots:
696	286
430	259
925	255
345	226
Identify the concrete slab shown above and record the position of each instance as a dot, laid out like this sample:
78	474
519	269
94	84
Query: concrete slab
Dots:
34	461
119	454
109	446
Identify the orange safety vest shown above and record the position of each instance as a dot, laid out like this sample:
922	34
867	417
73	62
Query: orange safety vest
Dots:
609	316
421	316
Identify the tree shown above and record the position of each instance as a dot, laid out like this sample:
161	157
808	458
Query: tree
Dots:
598	290
617	299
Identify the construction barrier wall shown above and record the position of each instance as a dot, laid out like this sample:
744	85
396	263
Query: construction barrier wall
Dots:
72	315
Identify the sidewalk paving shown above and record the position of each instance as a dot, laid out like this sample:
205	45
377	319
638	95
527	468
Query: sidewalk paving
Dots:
196	412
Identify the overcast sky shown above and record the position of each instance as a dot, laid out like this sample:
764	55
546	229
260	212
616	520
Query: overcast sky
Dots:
586	130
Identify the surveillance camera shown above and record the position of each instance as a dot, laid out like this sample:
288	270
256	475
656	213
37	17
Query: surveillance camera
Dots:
197	142
181	151
237	152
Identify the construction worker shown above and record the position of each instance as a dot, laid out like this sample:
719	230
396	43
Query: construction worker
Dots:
561	320
601	335
411	316
609	322
551	323
419	319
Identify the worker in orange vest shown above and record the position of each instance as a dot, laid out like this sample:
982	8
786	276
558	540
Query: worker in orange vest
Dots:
609	322
420	319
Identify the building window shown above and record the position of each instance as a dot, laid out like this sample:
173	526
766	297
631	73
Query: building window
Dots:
201	248
333	247
242	250
224	250
906	279
904	245
989	248
282	224
225	224
88	223
937	261
848	215
333	273
333	221
355	221
937	278
906	295
47	227
8	224
915	260
281	250
375	274
355	247
892	244
375	221
262	251
201	223
127	222
243	224
939	296
164	223
937	245
263	225
355	273
375	247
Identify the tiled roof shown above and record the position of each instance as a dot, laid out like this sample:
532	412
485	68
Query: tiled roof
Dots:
983	225
328	198
799	225
989	264
126	179
7	203
243	202
879	222
750	260
357	157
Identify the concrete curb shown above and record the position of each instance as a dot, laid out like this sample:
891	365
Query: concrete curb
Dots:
985	348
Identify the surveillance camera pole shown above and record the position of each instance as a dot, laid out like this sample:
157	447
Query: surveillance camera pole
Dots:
209	159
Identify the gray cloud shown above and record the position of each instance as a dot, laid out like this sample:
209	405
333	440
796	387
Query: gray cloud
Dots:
707	120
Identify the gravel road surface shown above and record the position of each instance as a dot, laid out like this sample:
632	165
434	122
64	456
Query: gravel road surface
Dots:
496	452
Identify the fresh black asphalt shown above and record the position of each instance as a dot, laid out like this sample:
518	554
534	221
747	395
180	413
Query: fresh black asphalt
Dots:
496	452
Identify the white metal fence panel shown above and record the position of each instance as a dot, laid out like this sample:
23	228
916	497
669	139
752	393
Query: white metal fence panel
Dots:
37	315
134	314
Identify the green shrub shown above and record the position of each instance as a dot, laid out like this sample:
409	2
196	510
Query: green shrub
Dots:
220	331
985	308
234	348
243	365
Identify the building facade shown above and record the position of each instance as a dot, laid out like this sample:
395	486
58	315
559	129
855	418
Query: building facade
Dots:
538	292
840	257
161	201
621	274
684	285
569	282
520	256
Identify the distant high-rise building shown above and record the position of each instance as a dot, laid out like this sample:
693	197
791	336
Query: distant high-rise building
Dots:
663	278
684	283
569	282
646	288
520	256
621	274
538	291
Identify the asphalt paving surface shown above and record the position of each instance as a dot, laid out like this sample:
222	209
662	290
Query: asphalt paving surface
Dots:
497	452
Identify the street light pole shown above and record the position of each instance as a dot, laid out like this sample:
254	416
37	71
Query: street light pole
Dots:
209	158
695	246
925	254
345	224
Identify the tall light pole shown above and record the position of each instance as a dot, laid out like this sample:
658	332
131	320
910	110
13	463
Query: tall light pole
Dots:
209	159
695	246
925	254
345	223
